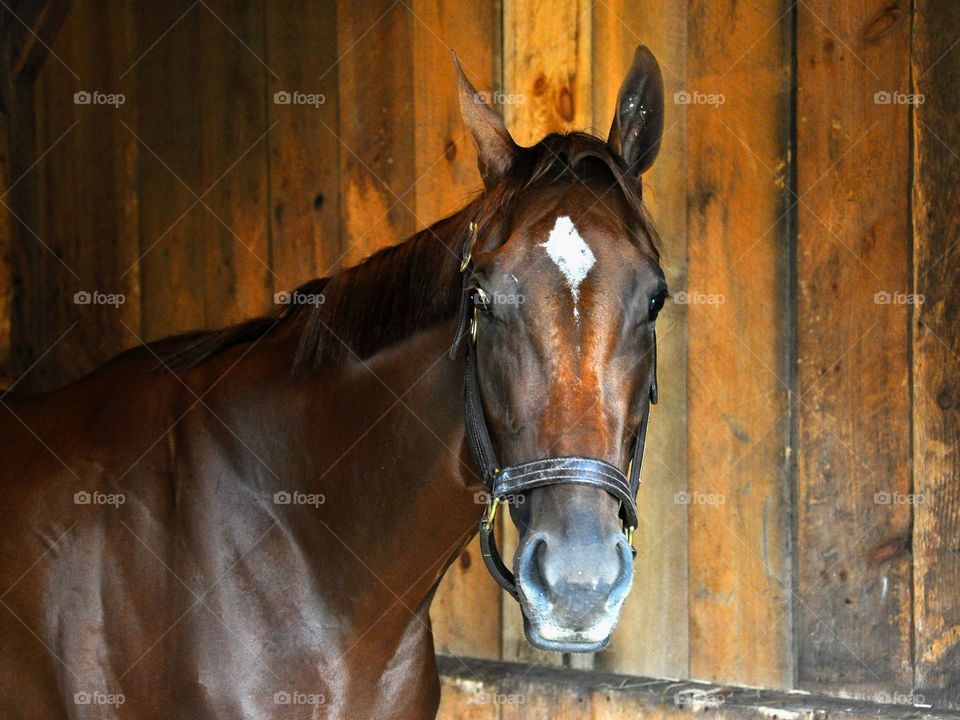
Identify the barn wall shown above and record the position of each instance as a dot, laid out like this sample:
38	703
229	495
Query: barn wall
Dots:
799	508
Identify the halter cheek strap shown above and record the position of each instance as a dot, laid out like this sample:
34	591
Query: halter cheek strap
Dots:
503	483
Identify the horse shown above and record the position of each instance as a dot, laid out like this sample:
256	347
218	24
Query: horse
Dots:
252	522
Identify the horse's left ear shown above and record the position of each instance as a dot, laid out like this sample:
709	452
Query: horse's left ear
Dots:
638	120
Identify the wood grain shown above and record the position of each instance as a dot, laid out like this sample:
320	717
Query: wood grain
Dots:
853	521
233	212
738	120
304	156
466	608
377	164
936	353
651	638
104	211
170	123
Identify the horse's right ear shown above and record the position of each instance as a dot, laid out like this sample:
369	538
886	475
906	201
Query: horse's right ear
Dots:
638	118
496	150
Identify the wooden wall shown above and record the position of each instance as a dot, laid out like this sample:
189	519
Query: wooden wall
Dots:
799	510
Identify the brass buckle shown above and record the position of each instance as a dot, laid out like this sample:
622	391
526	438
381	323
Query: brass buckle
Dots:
468	255
492	504
628	531
473	326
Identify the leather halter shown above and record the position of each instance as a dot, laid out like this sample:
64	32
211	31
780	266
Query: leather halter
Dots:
504	483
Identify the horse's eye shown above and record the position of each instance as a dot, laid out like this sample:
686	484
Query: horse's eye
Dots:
656	304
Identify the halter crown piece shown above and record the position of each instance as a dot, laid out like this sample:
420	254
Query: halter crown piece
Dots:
506	482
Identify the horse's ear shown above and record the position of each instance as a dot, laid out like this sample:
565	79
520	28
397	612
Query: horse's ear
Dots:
496	150
638	120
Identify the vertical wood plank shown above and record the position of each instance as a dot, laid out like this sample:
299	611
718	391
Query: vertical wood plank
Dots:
304	155
54	272
170	123
853	609
233	123
446	177
546	68
651	638
738	103
104	211
547	54
936	353
377	165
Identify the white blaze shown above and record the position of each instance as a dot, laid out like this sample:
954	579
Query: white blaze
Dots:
571	254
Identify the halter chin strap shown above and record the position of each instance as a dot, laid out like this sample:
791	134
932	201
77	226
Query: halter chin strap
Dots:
509	482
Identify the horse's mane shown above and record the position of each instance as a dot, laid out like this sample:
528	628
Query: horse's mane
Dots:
416	284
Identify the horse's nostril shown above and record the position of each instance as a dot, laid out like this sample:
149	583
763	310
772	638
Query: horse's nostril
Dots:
565	569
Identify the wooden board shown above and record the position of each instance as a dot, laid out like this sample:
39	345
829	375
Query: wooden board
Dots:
102	158
936	353
377	165
651	638
170	123
547	88
233	212
483	689
853	607
53	234
446	178
304	156
738	328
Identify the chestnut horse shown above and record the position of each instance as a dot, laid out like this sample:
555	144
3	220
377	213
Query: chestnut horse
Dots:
252	522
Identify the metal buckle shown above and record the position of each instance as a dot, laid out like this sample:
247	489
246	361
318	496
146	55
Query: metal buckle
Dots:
473	326
468	255
492	506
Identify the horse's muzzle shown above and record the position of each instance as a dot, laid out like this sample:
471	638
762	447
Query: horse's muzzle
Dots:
572	590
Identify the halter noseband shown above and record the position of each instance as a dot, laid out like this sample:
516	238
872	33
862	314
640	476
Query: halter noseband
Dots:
503	483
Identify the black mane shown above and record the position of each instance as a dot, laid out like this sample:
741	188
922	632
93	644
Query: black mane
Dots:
415	284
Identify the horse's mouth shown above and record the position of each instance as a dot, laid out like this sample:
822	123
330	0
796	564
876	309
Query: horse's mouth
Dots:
548	636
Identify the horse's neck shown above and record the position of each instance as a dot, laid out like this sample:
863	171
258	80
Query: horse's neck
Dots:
377	446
